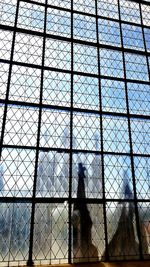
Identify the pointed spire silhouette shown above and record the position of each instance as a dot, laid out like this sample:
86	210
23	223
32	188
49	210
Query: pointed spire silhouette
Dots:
81	185
96	142
82	236
123	242
127	192
81	205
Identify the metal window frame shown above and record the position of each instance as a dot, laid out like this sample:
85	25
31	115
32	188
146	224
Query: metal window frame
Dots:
71	200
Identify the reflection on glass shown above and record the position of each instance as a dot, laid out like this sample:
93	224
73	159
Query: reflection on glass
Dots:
122	234
142	176
83	247
86	131
115	132
144	212
93	172
17	172
117	170
51	233
14	231
55	128
53	174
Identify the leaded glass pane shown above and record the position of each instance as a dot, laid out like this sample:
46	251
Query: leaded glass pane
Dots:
28	48
4	68
60	3
140	135
58	22
115	131
118	175
108	8
31	16
18	172
53	174
111	63
15	232
86	92
84	28
121	223
147	38
113	95
130	11
50	233
142	175
86	131
25	84
21	126
132	37
109	32
57	54
85	59
136	67
55	128
7	12
87	7
5	44
56	88
139	98
146	14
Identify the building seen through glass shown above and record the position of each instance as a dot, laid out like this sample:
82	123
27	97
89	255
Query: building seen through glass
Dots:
75	131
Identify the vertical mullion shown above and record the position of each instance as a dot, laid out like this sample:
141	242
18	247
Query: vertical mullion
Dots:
30	259
101	134
9	79
6	104
71	143
142	26
130	141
